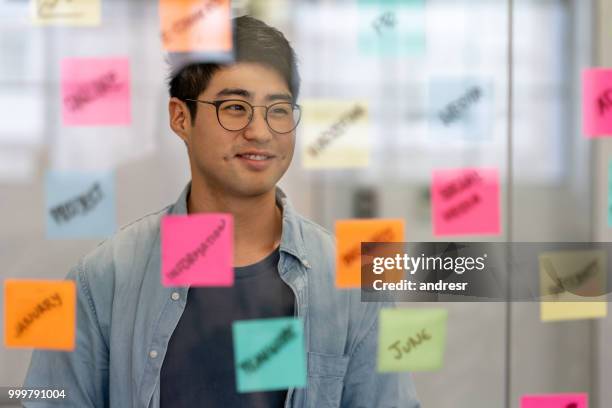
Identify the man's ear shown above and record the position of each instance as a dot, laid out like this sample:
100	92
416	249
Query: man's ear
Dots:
180	119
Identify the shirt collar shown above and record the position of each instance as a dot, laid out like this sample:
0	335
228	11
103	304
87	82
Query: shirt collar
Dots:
291	237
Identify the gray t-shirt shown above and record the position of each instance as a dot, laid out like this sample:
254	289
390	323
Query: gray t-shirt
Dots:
198	369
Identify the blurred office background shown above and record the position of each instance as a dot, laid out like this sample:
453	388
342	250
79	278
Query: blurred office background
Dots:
556	189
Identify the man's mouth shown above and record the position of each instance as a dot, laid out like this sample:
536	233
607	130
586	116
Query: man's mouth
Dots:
257	157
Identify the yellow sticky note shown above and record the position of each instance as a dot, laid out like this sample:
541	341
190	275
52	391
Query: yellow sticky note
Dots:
349	236
196	25
40	314
65	12
569	280
335	134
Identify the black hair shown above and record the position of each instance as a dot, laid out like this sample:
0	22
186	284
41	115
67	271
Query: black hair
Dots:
254	41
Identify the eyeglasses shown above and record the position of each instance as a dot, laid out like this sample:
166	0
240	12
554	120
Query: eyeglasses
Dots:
236	114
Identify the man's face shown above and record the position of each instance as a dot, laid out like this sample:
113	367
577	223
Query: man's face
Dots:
245	162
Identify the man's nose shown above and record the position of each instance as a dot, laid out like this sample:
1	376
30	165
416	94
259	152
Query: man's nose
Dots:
257	129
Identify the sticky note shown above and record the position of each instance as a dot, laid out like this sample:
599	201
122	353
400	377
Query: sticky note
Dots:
411	339
40	314
569	280
269	354
95	92
461	109
349	236
197	250
610	193
80	205
196	26
65	12
465	201
392	27
578	400
597	101
335	134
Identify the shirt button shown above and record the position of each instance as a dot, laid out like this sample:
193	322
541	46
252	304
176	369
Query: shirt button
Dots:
175	296
153	353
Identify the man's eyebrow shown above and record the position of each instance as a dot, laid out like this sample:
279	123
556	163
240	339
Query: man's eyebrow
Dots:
234	91
280	96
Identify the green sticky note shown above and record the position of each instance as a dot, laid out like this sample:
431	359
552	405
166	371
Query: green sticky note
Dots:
269	354
411	339
392	27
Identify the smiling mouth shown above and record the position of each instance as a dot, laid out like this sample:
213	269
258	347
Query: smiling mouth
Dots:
256	157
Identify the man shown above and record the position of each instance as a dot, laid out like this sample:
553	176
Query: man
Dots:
140	344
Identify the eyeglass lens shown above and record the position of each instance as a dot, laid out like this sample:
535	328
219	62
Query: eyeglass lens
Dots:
282	117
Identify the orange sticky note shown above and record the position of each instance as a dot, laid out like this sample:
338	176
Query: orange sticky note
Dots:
349	236
196	25
40	314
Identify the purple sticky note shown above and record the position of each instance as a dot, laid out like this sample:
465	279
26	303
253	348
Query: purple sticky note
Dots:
597	102
197	250
465	201
555	401
96	91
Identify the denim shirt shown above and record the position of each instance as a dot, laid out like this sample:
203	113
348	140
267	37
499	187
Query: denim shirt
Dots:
125	318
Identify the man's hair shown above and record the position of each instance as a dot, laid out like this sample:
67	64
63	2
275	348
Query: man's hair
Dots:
254	41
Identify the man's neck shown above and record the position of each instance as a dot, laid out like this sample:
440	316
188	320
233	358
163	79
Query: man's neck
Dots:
257	220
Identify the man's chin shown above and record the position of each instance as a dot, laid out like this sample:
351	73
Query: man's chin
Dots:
254	190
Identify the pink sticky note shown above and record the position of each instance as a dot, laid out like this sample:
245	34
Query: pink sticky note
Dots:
465	201
95	91
555	401
197	250
597	102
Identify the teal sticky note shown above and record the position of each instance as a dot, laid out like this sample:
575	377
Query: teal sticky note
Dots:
80	204
392	27
269	354
610	193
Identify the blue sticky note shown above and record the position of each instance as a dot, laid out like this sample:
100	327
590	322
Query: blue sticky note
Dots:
610	193
392	27
269	354
80	205
461	109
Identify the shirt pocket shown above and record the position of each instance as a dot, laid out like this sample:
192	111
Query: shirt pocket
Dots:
325	380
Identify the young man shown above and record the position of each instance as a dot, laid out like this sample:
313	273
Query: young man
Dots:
140	344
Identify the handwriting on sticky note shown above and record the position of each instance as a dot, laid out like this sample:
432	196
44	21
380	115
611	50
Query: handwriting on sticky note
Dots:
47	304
386	20
188	260
96	91
40	314
597	101
354	253
46	9
453	111
180	26
336	130
82	204
410	344
572	282
285	336
89	92
605	101
466	201
456	186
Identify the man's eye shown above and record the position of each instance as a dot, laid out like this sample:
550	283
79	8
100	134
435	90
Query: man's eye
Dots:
280	111
234	107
